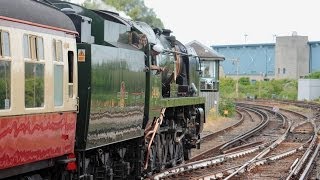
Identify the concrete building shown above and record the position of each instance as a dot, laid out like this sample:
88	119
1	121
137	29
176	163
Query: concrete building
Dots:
290	57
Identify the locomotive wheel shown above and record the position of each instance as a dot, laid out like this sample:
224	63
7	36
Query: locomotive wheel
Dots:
160	153
179	155
153	157
187	154
66	176
164	150
171	149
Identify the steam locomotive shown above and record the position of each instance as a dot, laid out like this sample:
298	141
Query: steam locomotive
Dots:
87	94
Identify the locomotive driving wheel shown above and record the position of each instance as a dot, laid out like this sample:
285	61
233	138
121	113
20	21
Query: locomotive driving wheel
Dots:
164	151
171	144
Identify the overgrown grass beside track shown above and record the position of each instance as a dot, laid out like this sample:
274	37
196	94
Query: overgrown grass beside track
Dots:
273	89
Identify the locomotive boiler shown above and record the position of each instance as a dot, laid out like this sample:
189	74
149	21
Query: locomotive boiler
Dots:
118	99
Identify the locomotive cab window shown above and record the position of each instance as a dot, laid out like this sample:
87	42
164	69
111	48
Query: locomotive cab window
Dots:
34	70
5	71
58	72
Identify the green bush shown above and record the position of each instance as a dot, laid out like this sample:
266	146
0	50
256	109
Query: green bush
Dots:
314	75
226	105
245	81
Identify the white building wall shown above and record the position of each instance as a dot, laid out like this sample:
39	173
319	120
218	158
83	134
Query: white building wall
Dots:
308	89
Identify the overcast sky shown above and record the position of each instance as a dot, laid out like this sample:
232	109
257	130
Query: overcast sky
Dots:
214	22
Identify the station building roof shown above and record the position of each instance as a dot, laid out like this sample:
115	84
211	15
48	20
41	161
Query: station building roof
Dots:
204	52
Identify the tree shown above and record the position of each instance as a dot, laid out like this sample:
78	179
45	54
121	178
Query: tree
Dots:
91	4
136	9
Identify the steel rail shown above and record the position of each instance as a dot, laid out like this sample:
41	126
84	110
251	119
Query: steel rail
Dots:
219	159
207	137
250	163
282	116
310	164
258	162
208	162
264	122
295	171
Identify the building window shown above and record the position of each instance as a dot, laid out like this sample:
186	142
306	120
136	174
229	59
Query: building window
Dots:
58	72
34	71
5	71
278	70
284	70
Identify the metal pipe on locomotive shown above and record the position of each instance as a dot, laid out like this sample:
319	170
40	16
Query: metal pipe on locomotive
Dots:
138	110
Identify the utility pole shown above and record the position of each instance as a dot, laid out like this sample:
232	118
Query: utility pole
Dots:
274	37
236	62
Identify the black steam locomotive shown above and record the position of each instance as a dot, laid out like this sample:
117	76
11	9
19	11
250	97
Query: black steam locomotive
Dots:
87	94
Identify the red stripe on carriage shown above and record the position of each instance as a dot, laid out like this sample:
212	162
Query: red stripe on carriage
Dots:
30	138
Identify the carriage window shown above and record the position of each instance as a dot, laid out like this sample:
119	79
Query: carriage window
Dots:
26	46
58	72
57	50
33	47
58	85
70	65
33	51
34	84
5	44
40	53
5	70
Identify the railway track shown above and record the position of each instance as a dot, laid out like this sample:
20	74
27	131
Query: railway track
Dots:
287	141
311	165
215	151
247	121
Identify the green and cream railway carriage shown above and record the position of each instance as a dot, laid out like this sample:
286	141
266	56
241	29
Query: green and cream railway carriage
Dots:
98	96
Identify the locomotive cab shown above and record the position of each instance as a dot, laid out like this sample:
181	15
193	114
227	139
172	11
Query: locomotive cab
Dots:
180	77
